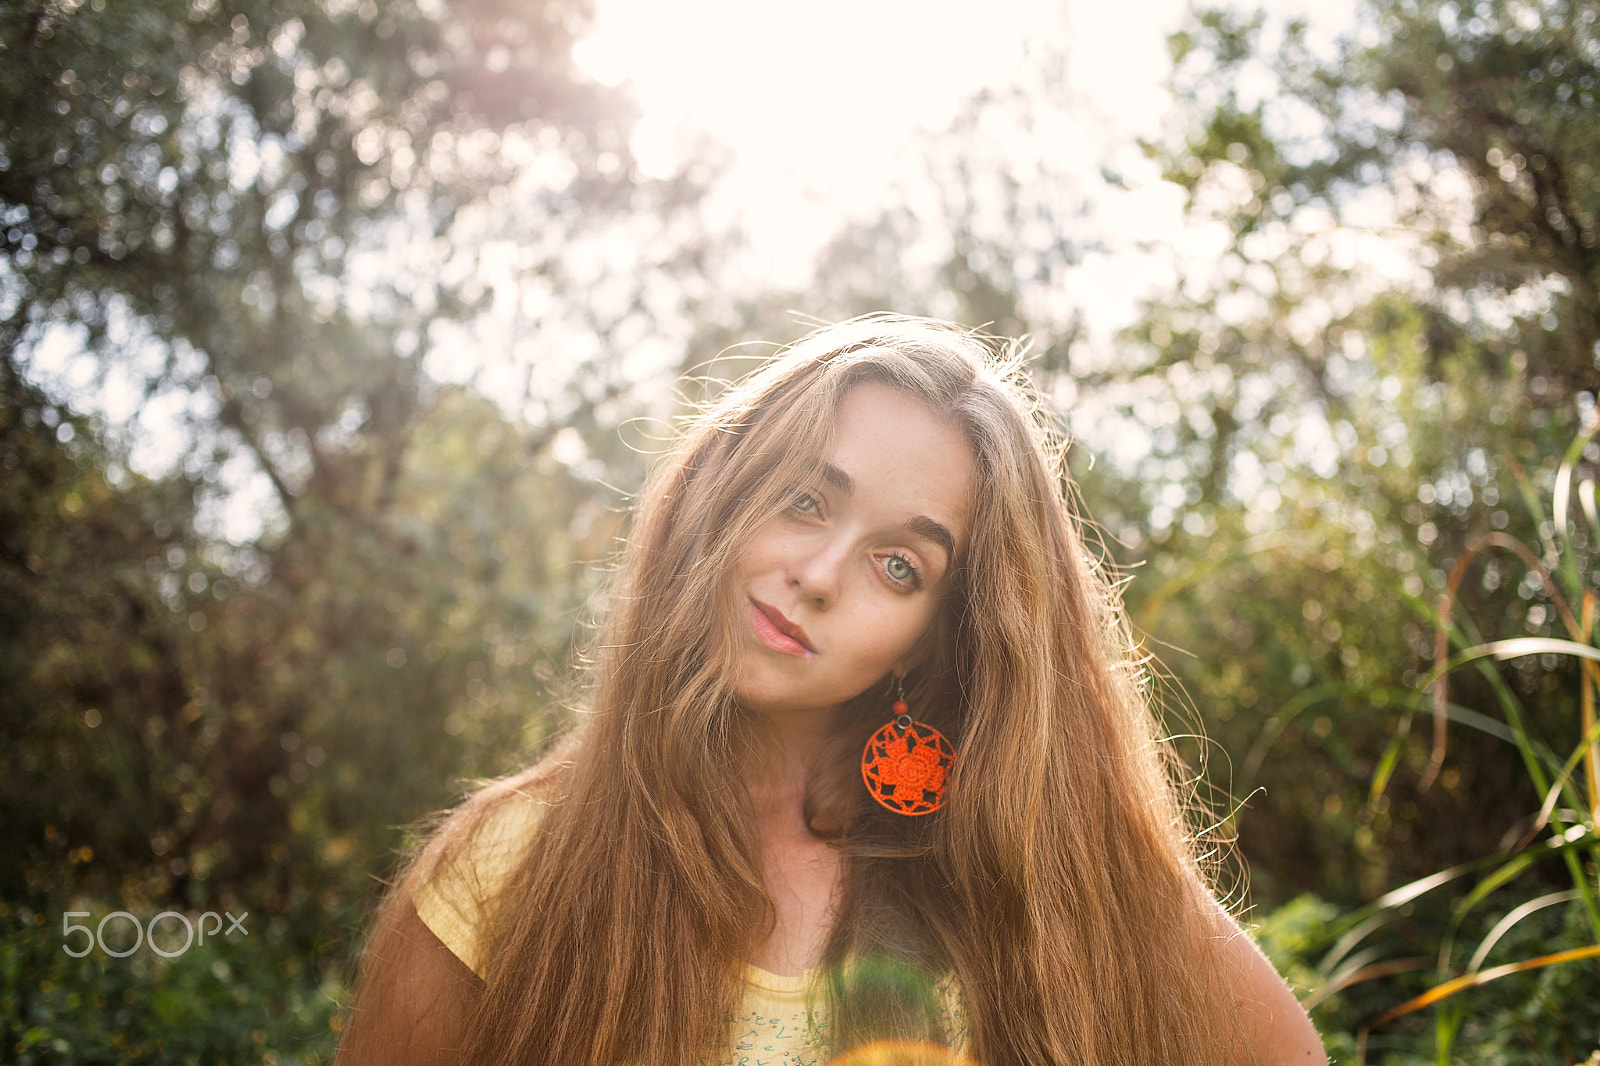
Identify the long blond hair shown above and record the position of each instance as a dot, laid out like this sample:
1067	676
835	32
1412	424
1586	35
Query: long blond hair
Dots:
1059	883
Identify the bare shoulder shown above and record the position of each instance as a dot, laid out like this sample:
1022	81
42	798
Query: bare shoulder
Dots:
1273	1023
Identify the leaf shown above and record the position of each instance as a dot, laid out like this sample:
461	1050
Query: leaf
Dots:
1518	647
1386	765
1562	499
1481	891
1471	980
1504	925
1349	930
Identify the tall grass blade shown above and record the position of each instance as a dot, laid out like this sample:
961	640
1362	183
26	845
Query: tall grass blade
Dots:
1517	647
1504	925
1466	981
1385	770
1445	1025
1346	932
1561	502
1439	680
1274	726
1585	747
1590	681
1357	974
1406	700
1480	892
1530	500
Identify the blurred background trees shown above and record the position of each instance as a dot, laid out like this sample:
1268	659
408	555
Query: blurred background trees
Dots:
1383	377
324	323
264	240
1352	421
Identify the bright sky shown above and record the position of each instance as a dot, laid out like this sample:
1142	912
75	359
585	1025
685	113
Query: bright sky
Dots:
818	103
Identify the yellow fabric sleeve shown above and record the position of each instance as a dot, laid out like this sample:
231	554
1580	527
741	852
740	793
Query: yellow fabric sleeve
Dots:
452	900
778	1021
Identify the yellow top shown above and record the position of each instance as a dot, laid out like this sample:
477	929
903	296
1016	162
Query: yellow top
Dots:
777	1024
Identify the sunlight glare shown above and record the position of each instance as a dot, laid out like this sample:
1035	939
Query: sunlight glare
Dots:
814	103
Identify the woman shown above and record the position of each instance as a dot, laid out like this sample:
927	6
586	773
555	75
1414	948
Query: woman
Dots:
867	768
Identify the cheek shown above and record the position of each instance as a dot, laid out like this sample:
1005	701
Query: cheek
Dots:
762	549
892	635
750	560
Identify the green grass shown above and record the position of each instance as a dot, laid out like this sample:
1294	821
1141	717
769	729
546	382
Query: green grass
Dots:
1497	959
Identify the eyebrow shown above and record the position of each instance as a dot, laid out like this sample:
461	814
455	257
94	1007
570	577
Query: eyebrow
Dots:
837	478
921	524
924	526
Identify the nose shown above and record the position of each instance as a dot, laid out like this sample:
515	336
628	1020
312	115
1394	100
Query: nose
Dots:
817	571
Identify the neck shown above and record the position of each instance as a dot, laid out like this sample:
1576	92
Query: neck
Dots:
784	748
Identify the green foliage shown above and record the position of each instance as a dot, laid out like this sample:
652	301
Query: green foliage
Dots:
1434	103
420	653
86	634
197	706
287	220
229	174
1541	1016
234	678
1352	447
1328	438
1560	765
240	1000
1310	561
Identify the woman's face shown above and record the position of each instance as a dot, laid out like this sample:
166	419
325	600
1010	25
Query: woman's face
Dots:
836	592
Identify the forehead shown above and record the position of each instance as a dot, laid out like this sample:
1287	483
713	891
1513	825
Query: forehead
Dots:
903	459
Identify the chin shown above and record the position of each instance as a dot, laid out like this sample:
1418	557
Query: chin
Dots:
764	696
750	690
760	699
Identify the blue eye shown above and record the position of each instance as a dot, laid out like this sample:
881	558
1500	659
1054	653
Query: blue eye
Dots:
900	571
806	503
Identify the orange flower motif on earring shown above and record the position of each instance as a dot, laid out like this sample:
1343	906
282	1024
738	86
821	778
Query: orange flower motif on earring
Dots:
906	765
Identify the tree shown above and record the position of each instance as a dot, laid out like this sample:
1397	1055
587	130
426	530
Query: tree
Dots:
1379	384
1475	122
272	207
289	222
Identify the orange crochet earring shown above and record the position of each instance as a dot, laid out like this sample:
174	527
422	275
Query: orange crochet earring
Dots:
906	764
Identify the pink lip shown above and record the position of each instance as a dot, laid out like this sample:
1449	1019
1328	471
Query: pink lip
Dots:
777	632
